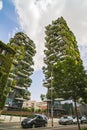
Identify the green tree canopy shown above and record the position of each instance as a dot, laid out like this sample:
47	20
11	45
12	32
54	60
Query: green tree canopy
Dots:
69	79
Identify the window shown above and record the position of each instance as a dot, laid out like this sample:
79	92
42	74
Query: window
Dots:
0	63
4	52
0	50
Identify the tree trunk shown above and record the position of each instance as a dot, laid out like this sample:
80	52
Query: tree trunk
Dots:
1	111
76	112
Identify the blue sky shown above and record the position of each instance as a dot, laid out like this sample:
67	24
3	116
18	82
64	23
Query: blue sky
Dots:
9	25
31	16
8	20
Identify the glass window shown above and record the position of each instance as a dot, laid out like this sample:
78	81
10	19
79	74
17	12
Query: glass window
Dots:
0	63
4	52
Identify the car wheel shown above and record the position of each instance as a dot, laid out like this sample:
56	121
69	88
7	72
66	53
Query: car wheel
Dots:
81	122
45	125
71	122
33	126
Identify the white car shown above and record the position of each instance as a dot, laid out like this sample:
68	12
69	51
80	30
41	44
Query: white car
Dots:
75	120
84	119
66	120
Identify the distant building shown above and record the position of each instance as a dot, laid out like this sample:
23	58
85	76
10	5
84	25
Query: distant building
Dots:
69	107
41	105
29	104
57	107
60	107
46	105
36	105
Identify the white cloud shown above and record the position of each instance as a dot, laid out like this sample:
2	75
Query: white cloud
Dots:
34	15
11	34
1	5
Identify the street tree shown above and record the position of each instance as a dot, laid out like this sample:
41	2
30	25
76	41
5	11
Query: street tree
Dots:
42	96
69	79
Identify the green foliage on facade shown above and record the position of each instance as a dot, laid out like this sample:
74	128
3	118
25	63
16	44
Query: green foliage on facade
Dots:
62	58
6	57
15	71
21	69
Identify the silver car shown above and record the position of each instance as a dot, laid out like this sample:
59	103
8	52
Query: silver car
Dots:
75	120
84	119
66	120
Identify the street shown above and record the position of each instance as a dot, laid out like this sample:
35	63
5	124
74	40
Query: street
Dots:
17	126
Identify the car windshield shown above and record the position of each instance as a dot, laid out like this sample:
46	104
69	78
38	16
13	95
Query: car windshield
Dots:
32	116
65	117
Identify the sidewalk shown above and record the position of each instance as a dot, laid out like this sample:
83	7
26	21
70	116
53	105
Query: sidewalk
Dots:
6	118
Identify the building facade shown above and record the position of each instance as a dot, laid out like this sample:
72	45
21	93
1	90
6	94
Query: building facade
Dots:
6	58
19	78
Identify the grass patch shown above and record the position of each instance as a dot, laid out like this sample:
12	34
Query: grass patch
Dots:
1	120
84	129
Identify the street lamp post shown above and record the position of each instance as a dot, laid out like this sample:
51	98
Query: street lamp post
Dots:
51	88
51	101
52	106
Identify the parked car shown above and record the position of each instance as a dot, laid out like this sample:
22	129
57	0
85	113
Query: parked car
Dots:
84	119
75	120
35	120
66	120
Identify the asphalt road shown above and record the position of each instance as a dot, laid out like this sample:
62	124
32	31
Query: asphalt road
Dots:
17	126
